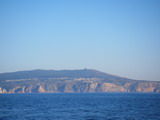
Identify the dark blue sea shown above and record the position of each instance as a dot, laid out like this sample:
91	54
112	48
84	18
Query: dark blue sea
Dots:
80	106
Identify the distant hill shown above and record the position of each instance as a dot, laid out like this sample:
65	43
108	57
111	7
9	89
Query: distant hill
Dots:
85	80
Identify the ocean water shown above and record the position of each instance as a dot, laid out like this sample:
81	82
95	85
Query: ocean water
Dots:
80	106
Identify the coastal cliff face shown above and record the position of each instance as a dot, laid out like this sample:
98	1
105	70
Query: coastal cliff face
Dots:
41	81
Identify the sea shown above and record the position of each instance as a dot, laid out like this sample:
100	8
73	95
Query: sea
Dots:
80	106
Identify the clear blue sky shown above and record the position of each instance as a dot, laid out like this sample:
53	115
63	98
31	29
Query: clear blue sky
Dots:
120	37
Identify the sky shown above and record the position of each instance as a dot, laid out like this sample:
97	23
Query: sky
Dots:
120	37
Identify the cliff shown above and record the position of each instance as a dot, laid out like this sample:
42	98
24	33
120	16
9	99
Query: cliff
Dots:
86	80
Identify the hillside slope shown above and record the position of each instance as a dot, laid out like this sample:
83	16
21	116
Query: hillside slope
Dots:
85	80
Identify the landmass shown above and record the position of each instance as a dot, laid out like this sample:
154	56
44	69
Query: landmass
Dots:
71	81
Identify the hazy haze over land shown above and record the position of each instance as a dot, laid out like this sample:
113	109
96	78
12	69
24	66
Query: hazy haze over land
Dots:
121	37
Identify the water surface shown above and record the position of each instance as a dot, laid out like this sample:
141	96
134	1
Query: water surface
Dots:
80	106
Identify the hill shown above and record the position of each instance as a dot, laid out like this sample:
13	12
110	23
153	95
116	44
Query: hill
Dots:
85	80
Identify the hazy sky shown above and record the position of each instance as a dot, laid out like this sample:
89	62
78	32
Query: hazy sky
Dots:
120	37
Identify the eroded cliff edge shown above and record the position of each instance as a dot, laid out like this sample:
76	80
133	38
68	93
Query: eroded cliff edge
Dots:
86	80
